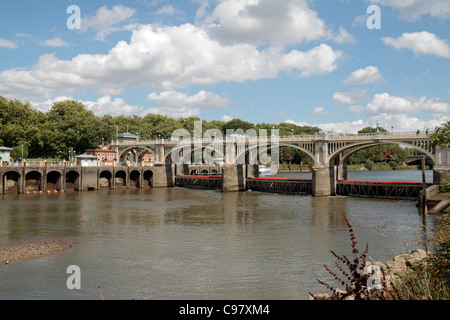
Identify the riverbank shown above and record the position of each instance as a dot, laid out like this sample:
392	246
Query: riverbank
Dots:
393	271
28	250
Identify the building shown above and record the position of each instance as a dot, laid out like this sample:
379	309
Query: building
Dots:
85	160
127	137
103	153
5	154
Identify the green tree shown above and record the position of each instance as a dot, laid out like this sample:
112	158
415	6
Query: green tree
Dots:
236	124
21	124
441	136
72	125
372	130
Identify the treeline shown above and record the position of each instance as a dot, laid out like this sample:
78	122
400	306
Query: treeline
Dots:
69	125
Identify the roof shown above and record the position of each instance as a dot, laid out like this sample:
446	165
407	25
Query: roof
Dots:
5	149
127	135
86	156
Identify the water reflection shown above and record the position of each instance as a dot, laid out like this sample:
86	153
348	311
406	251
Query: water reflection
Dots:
193	244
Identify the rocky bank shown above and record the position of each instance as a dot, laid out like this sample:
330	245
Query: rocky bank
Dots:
392	270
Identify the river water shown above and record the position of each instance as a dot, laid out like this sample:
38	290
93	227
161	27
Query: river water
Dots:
194	244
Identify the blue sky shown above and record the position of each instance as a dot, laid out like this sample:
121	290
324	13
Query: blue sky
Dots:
308	62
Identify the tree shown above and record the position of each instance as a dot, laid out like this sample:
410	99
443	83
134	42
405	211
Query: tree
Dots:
237	124
72	125
441	136
372	130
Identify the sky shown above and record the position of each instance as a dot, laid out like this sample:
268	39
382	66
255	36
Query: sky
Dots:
339	65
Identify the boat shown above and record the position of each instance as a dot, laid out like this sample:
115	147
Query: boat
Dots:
264	170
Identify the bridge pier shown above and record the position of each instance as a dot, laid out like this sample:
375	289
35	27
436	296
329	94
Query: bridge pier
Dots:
233	177
441	169
324	180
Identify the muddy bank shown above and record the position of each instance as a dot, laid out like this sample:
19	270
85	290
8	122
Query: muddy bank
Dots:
27	250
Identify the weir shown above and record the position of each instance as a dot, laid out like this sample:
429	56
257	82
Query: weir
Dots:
329	154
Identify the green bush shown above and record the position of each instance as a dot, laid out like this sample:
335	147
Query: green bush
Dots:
369	164
394	165
446	185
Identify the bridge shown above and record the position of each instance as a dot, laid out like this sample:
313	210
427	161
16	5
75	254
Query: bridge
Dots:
328	152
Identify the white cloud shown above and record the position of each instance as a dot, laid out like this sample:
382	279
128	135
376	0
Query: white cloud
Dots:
265	21
414	9
387	104
106	21
360	21
368	75
344	37
5	43
105	105
202	99
388	110
165	57
352	97
227	118
420	43
168	10
177	104
45	105
341	127
356	109
319	112
404	123
55	42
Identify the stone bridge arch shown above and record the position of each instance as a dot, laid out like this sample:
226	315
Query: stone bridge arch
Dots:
340	154
188	158
250	155
140	151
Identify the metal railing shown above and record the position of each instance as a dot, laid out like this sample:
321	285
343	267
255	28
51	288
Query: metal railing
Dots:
295	138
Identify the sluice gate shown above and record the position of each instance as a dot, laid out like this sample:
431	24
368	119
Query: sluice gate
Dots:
380	189
280	185
199	182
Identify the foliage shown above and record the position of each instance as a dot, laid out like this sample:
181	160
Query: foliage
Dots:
378	153
429	279
372	130
446	185
17	152
69	125
441	136
369	164
394	165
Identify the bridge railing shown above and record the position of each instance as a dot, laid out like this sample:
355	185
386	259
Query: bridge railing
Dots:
320	136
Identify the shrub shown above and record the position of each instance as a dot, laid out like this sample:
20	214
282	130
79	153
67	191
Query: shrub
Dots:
394	165
352	278
369	164
446	185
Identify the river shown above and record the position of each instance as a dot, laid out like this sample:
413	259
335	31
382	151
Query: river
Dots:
194	244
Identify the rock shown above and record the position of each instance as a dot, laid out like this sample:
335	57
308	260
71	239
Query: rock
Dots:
319	296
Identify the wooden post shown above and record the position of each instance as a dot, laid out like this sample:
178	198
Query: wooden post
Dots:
424	192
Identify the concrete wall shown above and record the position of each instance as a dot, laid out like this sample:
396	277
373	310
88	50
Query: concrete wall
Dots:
324	182
233	177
